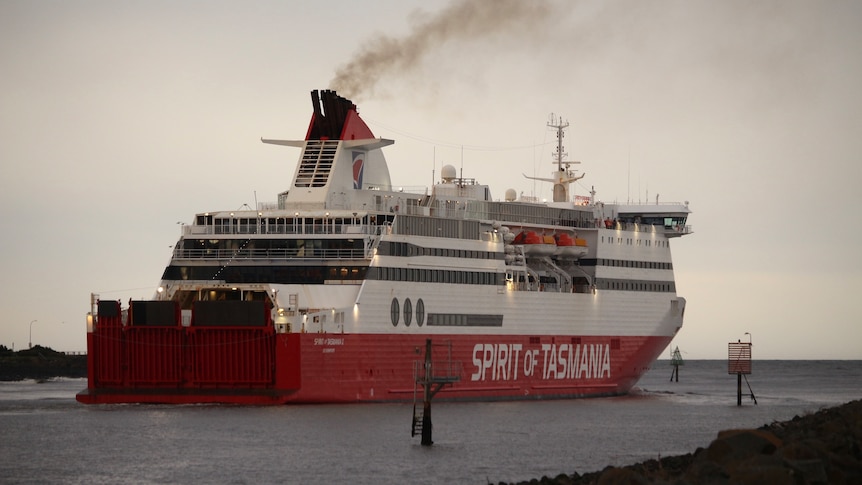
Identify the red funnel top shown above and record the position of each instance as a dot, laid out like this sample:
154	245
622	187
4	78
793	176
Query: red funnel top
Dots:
335	118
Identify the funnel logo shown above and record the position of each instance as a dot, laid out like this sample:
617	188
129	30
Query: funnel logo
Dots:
358	167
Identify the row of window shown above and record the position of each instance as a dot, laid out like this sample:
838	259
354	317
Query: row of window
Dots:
625	263
319	274
464	320
440	319
271	244
286	225
436	276
634	241
388	248
316	275
313	275
635	285
395	312
437	227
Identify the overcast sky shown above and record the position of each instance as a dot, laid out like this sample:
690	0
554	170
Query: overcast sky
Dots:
120	120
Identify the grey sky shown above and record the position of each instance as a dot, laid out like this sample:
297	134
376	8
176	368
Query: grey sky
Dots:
121	119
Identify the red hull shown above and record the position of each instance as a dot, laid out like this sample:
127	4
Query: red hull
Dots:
182	365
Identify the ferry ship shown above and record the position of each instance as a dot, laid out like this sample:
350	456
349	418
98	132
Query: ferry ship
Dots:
349	289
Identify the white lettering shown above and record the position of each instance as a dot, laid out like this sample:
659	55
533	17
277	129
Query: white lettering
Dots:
545	349
487	359
563	362
606	363
596	360
501	359
573	362
502	362
585	364
501	370
328	341
517	349
529	363
477	362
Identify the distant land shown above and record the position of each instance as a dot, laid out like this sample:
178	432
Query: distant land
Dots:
39	363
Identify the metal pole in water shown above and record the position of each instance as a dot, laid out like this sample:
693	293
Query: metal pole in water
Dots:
426	405
675	361
739	363
431	380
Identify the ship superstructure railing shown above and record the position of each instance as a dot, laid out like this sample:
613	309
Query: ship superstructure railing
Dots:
324	227
270	254
532	214
289	227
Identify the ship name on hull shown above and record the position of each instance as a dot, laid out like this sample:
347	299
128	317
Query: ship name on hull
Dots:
508	362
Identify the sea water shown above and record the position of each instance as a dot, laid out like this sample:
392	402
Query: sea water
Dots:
47	437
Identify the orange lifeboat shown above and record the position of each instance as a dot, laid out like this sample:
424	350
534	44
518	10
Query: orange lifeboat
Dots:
569	247
535	245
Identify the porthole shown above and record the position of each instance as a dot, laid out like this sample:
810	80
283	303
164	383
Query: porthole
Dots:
395	311
420	312
408	312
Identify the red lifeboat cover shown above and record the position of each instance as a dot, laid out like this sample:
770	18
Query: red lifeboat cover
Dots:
564	239
527	237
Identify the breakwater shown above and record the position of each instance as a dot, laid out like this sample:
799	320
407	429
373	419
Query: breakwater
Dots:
40	363
823	447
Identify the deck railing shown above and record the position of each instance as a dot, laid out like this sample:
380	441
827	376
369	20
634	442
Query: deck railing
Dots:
323	228
269	254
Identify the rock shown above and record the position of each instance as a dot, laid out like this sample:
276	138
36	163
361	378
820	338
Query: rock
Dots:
733	445
621	476
820	448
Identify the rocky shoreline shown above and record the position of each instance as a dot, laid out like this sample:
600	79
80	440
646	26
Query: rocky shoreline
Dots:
40	363
819	448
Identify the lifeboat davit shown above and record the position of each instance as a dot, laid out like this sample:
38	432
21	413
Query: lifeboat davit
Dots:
569	247
535	245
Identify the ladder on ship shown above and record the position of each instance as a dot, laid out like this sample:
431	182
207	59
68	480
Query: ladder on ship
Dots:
430	376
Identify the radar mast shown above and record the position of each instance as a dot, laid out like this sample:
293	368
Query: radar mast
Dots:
562	177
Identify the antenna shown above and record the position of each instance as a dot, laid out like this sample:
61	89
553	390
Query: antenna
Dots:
562	177
462	162
533	193
629	178
433	166
560	154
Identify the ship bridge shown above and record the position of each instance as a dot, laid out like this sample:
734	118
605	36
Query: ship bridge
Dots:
671	217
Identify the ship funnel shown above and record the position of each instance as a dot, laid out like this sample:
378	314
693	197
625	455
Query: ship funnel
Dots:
330	114
335	118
